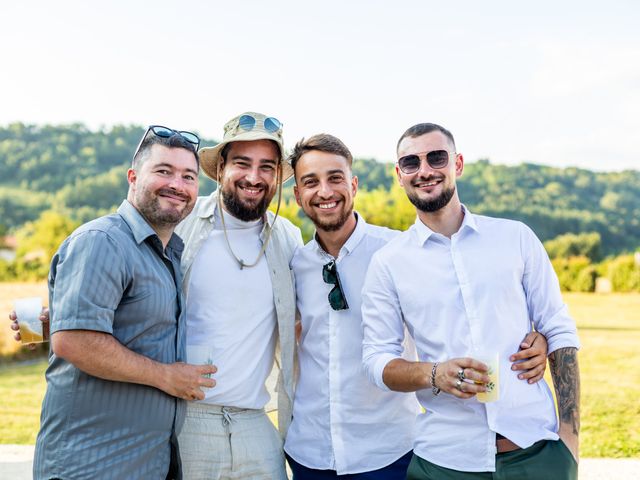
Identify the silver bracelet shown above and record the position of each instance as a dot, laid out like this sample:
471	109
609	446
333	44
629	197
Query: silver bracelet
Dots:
435	390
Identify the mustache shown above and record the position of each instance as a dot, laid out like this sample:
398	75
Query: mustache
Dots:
175	193
421	179
246	184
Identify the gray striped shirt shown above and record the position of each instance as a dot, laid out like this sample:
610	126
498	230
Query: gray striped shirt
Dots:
111	275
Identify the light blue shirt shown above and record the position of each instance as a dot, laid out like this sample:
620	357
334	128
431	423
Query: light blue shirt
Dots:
479	290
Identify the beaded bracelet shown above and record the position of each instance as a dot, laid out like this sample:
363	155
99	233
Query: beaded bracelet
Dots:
435	390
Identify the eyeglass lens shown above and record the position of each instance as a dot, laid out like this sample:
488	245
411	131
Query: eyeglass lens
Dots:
435	159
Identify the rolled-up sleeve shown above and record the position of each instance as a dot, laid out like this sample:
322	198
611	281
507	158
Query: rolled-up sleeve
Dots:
382	322
547	310
89	272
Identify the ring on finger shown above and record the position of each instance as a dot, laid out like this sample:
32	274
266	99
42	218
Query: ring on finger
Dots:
461	376
459	384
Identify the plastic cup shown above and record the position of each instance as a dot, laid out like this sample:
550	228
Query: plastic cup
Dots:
28	312
200	355
492	360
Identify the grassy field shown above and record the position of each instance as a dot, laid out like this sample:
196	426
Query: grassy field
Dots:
609	328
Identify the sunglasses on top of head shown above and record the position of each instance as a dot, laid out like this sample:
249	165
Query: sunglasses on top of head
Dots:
166	132
411	163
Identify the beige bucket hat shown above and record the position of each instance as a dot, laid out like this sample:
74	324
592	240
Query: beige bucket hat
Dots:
246	127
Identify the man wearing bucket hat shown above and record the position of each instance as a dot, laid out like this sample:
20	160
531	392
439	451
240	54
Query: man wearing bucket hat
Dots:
240	305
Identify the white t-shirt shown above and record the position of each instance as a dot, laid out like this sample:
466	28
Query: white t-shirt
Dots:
231	318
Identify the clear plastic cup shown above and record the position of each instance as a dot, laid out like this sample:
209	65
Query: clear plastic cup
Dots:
28	312
492	360
200	355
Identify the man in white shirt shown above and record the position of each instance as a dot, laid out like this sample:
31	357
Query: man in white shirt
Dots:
239	305
463	285
343	425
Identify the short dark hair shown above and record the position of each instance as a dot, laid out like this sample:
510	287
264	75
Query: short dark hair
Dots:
422	129
323	142
174	141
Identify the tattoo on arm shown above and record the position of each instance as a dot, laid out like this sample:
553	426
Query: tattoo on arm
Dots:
566	380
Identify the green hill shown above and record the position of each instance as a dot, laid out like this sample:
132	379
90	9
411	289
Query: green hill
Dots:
81	174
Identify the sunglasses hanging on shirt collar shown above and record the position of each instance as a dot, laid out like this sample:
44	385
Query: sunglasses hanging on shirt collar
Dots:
337	299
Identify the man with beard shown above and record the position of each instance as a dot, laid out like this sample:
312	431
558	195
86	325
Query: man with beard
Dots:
117	344
344	426
465	286
240	305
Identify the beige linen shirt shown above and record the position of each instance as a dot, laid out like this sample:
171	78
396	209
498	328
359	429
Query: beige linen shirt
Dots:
285	238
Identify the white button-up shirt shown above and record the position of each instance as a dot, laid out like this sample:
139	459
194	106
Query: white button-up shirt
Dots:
480	290
341	421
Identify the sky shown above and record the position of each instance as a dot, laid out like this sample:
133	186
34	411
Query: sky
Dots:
548	82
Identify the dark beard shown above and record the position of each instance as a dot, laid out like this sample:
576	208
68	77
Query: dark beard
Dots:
149	206
435	204
241	211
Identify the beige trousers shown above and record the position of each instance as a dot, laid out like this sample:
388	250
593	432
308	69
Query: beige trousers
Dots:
227	443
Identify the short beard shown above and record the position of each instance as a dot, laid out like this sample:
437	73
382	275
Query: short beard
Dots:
148	205
435	204
334	226
247	214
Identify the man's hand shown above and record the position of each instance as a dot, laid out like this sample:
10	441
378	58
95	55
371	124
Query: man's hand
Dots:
44	318
404	376
531	359
474	373
183	380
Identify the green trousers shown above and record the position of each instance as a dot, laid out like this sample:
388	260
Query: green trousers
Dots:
544	460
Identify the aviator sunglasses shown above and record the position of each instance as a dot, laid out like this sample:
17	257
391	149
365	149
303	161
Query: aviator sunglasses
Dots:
411	163
337	300
166	132
270	124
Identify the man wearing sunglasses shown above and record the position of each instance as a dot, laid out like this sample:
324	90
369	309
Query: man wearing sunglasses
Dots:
344	426
465	285
116	371
240	305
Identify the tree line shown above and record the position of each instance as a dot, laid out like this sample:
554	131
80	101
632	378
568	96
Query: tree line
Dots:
70	174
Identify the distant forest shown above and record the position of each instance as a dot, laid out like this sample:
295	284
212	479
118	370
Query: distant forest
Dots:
80	174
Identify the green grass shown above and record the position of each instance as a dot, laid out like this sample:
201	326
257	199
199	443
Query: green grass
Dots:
609	328
21	391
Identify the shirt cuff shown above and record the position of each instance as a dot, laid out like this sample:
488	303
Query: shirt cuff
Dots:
566	340
81	324
378	368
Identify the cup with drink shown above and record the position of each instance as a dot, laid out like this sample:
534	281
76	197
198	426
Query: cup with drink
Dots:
492	360
28	312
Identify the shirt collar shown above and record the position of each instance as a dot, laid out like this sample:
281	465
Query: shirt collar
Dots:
141	229
352	242
423	232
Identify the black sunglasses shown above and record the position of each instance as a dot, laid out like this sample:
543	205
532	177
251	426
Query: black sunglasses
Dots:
411	163
270	124
166	132
337	300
